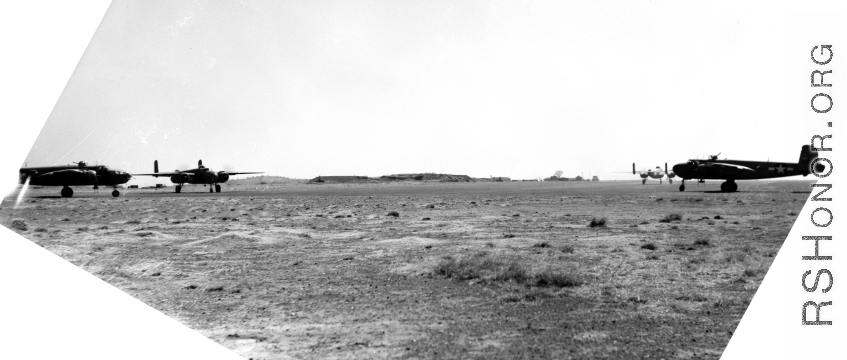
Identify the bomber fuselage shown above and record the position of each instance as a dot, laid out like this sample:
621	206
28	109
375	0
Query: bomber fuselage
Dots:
73	175
738	169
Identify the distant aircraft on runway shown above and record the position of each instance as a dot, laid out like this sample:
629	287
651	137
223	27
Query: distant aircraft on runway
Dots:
80	174
731	170
200	175
656	173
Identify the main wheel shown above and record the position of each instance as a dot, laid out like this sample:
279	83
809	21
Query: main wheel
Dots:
217	188
643	182
733	187
178	189
67	192
115	193
724	186
211	190
682	187
670	181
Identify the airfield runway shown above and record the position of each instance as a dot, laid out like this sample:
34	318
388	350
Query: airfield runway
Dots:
465	270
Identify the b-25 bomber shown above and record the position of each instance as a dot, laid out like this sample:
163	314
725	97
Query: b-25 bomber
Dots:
79	174
200	175
656	173
732	170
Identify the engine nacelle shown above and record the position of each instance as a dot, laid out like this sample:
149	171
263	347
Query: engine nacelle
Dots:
644	175
671	175
179	179
222	176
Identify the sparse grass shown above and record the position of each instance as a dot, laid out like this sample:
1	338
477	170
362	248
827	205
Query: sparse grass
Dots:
734	256
649	246
692	296
595	222
491	267
393	213
749	272
40	229
133	221
671	217
567	249
543	244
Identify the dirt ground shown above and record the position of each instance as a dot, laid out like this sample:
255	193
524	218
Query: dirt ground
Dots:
474	270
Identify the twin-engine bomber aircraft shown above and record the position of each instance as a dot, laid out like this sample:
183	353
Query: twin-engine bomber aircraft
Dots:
731	170
200	175
656	173
80	174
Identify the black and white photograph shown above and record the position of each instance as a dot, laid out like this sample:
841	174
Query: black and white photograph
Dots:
423	180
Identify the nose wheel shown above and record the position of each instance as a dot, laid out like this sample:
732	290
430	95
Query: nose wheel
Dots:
115	193
217	188
682	187
644	181
178	189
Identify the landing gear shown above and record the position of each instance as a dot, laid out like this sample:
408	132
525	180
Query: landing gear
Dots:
115	193
660	181
217	188
211	190
67	192
670	181
643	181
178	189
682	187
729	186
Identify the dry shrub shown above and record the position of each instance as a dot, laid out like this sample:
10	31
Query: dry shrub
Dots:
702	242
19	224
595	222
649	246
671	217
541	245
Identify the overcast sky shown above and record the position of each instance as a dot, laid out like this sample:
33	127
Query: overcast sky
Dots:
503	88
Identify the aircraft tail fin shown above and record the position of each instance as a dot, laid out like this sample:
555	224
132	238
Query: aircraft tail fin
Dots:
155	166
806	158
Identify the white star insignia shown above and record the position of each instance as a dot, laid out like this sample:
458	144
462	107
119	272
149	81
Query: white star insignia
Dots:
780	169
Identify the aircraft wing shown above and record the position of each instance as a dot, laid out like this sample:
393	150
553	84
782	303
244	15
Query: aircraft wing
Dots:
244	173
160	174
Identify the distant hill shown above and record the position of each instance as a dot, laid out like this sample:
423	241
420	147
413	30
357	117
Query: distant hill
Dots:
391	178
341	180
428	177
265	180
